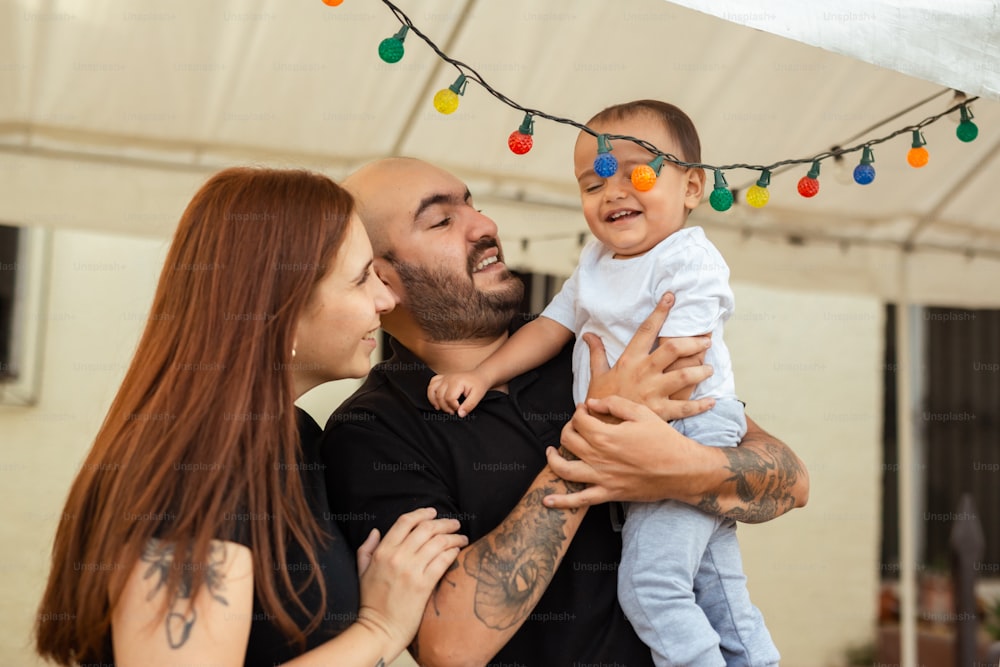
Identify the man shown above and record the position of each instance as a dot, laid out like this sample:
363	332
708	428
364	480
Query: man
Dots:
537	583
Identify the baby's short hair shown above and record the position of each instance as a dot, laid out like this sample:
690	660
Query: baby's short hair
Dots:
674	120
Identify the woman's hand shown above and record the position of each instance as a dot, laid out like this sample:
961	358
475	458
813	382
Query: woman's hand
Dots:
399	572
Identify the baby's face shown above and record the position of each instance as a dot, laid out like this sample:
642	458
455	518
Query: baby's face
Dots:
625	219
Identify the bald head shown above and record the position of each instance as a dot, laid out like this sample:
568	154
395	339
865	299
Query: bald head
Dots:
389	192
366	185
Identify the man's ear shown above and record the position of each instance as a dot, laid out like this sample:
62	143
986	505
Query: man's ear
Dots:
695	187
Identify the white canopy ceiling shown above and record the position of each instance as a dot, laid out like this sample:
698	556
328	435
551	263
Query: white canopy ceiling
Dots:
115	111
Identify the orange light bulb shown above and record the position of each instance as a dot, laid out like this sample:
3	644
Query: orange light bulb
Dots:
918	157
643	178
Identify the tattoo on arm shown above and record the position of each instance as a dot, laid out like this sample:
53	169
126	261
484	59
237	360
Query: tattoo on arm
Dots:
181	616
513	566
764	476
434	593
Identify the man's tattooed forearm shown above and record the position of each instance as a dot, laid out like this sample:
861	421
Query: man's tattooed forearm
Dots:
765	476
181	615
513	567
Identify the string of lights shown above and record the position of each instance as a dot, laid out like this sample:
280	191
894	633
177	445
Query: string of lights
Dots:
446	101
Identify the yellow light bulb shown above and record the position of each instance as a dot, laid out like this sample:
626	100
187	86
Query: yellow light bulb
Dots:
757	196
446	101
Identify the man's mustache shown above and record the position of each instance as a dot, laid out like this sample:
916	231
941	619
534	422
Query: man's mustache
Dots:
480	248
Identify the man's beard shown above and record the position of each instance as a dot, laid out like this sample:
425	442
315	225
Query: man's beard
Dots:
449	308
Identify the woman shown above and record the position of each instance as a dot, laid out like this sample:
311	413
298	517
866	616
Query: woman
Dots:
197	531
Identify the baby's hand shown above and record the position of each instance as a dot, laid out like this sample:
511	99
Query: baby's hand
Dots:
444	391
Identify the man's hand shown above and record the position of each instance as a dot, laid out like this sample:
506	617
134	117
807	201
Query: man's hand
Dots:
643	458
632	458
651	377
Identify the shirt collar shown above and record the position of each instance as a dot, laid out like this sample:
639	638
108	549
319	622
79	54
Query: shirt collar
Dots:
408	373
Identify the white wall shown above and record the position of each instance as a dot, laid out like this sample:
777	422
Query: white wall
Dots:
808	365
100	287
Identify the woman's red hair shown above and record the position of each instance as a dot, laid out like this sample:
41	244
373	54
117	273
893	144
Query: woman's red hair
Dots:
203	424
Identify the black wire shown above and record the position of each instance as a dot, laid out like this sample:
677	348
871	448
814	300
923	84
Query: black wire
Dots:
836	151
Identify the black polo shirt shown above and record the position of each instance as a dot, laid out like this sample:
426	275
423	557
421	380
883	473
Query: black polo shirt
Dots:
388	451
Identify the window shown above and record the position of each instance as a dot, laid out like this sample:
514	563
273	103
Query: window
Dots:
23	271
958	431
8	275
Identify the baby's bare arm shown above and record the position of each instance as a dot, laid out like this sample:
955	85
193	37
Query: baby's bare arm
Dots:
530	346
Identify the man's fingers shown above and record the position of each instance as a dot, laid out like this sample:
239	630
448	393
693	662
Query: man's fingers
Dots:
572	439
571	471
695	407
592	495
686	377
598	355
649	330
671	349
619	407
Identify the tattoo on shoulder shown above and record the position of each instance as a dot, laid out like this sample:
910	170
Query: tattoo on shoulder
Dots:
513	567
181	615
764	477
380	663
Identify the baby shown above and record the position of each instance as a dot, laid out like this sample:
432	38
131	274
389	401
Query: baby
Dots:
681	581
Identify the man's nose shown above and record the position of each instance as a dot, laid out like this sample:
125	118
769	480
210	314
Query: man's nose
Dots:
480	225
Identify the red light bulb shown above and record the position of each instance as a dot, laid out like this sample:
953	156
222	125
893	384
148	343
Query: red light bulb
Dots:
520	141
809	184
